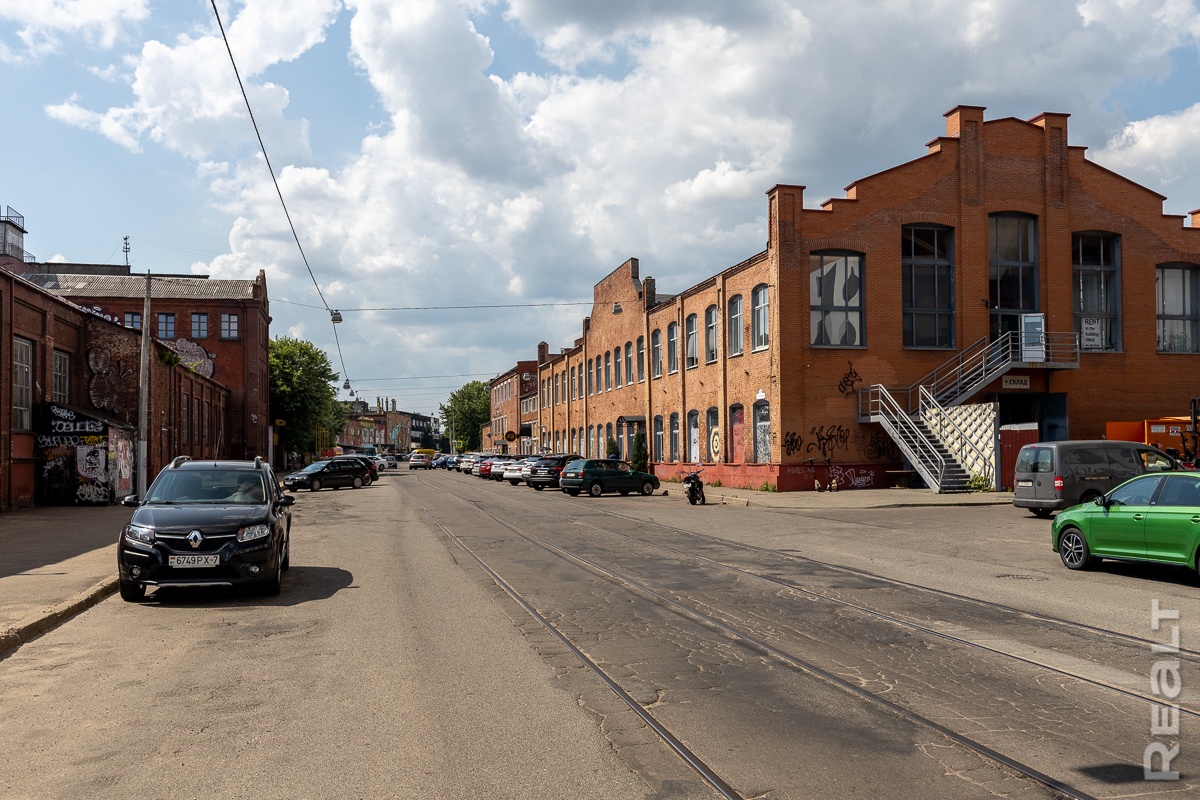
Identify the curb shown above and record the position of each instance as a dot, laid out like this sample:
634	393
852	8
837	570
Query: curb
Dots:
37	624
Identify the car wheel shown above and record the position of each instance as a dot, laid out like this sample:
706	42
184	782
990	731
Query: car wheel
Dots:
572	492
624	492
538	486
358	483
595	490
133	592
1088	497
647	488
272	586
514	483
1073	549
1043	513
315	486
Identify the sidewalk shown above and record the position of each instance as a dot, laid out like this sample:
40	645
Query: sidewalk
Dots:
56	562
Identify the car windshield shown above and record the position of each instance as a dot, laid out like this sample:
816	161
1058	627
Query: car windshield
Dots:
316	466
219	486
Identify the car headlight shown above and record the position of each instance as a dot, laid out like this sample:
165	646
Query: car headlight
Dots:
138	533
252	532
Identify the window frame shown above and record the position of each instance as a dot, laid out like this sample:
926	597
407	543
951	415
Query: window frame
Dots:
629	363
823	309
618	372
22	383
656	363
733	322
710	334
916	269
1108	271
641	359
691	341
60	391
166	324
133	320
760	319
199	328
1190	282
673	348
230	327
1005	318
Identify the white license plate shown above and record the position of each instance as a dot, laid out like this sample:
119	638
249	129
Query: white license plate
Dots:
1024	484
193	561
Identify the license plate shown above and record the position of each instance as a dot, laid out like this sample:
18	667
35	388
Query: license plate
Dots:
1024	484
193	561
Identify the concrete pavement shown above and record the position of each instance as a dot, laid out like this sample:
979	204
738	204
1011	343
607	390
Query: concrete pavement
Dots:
56	562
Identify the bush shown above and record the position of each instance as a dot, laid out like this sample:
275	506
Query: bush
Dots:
640	459
768	487
612	449
979	483
716	484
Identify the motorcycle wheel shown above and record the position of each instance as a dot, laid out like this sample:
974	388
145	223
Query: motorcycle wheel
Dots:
691	496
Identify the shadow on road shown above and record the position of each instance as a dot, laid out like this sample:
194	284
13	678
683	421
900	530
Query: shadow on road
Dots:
300	585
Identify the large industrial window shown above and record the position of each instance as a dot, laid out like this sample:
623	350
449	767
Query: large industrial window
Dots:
760	319
1095	284
835	284
1012	270
656	354
61	389
673	347
710	335
927	267
691	347
1175	301
22	360
734	326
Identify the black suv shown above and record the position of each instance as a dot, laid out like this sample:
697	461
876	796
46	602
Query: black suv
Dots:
207	523
546	470
372	468
334	473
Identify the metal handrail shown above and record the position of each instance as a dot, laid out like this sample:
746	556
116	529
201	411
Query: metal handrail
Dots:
919	450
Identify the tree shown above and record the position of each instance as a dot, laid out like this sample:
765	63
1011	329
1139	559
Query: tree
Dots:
303	393
640	459
613	450
466	411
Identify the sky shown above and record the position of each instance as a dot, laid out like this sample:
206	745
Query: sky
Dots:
437	157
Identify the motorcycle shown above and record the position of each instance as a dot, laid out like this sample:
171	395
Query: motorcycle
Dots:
694	487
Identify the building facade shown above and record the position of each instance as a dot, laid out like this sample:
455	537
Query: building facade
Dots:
219	329
511	423
999	279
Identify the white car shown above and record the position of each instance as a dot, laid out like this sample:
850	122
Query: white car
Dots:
418	461
381	463
512	472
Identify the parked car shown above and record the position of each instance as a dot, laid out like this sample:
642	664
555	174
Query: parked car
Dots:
483	468
206	523
499	464
380	463
391	460
599	475
419	461
451	462
366	461
439	463
333	473
465	462
1153	517
1050	476
547	469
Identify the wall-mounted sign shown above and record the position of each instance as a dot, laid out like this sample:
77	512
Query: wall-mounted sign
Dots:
714	444
1090	334
1014	382
511	436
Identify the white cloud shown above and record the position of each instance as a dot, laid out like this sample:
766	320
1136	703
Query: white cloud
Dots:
1162	152
41	24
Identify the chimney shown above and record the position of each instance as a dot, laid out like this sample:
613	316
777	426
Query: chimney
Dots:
648	292
543	352
961	117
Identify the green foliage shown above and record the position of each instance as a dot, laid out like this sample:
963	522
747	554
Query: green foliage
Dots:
611	448
466	411
169	357
640	459
716	483
979	483
303	393
768	487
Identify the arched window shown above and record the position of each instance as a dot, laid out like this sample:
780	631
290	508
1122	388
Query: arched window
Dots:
608	372
641	359
617	366
629	363
656	353
599	380
760	322
572	383
675	437
710	335
591	437
835	283
608	435
737	434
734	326
927	272
657	455
690	343
673	347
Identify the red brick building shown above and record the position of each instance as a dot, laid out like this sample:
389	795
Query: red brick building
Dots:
220	329
511	426
70	397
1000	278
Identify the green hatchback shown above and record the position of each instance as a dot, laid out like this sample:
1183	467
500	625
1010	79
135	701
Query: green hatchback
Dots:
1152	518
599	475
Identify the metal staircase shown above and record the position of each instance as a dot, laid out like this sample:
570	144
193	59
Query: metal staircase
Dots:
915	416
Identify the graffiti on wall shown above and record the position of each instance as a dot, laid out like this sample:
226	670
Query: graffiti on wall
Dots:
108	377
194	357
828	439
850	381
880	447
792	442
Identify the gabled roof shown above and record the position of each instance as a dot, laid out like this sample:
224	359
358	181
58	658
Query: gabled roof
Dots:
175	287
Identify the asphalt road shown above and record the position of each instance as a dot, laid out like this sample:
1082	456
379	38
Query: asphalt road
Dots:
828	654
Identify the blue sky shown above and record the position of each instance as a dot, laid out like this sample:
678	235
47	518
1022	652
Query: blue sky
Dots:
438	153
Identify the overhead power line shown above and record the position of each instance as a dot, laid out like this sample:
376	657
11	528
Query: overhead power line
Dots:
448	308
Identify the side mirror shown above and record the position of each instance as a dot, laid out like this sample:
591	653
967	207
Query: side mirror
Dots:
1102	501
287	500
130	500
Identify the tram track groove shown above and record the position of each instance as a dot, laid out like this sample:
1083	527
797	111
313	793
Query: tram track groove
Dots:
758	644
